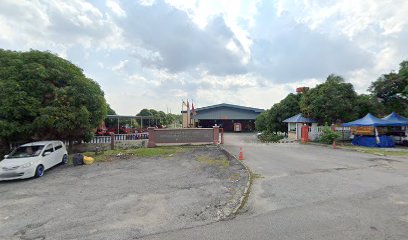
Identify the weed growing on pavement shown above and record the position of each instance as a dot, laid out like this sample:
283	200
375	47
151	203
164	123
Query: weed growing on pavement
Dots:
135	152
223	162
379	151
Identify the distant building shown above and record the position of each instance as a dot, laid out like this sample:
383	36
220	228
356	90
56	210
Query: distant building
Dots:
227	116
301	89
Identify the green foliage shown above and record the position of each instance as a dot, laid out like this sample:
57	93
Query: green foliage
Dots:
270	137
392	90
332	101
110	111
271	120
131	153
328	135
43	96
159	117
336	101
368	104
261	121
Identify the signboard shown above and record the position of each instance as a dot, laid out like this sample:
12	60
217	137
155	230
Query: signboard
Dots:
196	135
368	130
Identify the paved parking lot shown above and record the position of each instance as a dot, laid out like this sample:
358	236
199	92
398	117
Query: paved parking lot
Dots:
122	199
314	192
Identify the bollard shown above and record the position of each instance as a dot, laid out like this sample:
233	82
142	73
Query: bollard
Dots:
241	154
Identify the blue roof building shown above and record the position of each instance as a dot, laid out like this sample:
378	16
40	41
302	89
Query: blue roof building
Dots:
295	124
227	116
298	118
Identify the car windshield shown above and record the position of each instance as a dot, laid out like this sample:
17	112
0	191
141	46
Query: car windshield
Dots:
26	151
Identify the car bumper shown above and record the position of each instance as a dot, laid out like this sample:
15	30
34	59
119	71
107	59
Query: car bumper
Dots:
17	174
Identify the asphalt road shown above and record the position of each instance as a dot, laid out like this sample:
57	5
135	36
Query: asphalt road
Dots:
124	198
313	192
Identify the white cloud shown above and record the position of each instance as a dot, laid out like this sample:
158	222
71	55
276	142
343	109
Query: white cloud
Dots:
119	67
39	24
152	53
116	8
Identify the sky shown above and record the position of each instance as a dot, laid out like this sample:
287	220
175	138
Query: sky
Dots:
154	53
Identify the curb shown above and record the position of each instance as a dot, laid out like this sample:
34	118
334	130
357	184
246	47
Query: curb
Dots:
247	187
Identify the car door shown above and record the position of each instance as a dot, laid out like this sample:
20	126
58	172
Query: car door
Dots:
48	160
59	153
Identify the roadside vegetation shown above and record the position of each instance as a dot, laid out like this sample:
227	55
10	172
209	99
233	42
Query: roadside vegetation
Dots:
378	151
160	118
270	137
219	162
44	96
336	101
110	155
328	135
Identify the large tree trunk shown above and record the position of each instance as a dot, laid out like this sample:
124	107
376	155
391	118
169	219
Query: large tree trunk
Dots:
70	146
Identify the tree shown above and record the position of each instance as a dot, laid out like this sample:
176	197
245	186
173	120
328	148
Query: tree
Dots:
110	111
368	104
111	122
261	121
145	112
331	101
271	120
158	117
43	96
392	90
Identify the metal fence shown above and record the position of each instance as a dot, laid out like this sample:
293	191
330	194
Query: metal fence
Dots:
316	132
120	137
96	139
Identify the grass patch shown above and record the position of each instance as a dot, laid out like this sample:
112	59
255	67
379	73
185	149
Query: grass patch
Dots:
222	162
379	151
256	175
109	155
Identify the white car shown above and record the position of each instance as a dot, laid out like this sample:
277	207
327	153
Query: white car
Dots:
32	159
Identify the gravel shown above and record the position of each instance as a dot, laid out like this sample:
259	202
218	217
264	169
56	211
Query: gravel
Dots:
123	199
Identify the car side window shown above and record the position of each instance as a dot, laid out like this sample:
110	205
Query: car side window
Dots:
49	148
58	147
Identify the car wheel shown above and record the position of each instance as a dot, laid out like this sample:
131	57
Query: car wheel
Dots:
39	172
64	159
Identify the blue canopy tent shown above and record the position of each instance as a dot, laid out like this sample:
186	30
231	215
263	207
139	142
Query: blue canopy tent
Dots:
372	141
396	119
368	121
399	132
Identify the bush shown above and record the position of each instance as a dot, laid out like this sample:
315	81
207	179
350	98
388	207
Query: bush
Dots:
270	137
328	135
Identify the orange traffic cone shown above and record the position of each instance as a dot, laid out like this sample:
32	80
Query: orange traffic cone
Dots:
334	144
241	154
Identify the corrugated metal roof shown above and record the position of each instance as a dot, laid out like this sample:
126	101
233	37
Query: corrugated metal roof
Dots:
227	112
298	118
230	106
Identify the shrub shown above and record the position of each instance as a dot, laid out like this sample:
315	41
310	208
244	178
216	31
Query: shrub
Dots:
328	135
270	137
